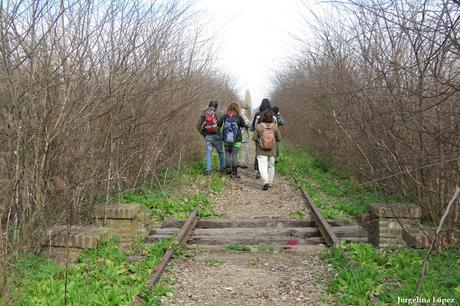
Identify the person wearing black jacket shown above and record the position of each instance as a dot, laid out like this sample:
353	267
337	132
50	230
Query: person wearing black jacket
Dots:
264	106
231	124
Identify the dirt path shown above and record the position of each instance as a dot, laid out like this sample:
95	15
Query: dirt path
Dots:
264	276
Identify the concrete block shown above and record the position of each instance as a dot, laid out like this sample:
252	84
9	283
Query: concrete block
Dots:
79	237
402	210
117	211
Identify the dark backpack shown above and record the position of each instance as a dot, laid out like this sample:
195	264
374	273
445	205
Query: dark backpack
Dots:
230	131
267	140
210	122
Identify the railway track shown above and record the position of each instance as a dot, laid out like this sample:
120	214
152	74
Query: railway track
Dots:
285	233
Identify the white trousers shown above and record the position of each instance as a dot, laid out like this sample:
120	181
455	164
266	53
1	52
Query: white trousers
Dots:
266	168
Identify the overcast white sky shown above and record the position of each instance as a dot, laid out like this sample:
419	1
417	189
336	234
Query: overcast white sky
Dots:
254	39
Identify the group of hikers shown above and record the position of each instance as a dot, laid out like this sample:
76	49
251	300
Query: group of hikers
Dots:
229	133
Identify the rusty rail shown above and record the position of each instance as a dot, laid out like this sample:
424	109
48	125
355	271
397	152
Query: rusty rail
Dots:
324	227
181	238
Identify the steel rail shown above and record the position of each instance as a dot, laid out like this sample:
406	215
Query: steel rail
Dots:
181	238
324	227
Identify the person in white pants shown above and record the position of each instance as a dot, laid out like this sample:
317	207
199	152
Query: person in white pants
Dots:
266	130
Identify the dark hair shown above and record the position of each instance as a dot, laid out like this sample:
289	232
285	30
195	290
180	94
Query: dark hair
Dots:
275	110
267	117
265	105
213	103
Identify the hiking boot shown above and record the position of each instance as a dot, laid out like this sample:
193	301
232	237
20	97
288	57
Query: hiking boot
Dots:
258	175
228	170
208	172
235	173
265	187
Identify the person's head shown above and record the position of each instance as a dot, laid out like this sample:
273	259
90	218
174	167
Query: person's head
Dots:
275	110
233	109
265	105
213	103
267	116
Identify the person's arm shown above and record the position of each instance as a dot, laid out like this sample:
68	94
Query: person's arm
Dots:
255	135
199	125
277	133
220	120
241	121
253	125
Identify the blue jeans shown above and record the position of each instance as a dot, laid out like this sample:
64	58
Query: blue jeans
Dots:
214	141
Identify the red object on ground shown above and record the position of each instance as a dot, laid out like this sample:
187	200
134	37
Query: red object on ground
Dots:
293	241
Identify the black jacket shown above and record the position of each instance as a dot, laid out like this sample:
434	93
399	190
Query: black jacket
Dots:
264	106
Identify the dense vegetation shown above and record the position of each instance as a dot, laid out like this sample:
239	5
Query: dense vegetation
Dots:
363	274
96	97
338	195
103	276
376	89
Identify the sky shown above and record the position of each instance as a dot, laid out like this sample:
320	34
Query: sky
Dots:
254	38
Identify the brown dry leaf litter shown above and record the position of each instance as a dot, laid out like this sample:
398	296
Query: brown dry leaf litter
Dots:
279	277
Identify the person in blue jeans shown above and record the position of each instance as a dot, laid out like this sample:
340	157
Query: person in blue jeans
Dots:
208	128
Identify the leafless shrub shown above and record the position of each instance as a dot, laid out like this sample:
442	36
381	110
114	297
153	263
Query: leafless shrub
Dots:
378	91
95	96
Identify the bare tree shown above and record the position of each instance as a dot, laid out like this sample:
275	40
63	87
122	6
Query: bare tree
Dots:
381	83
95	96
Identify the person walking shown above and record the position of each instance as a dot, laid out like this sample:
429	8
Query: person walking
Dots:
266	136
279	122
208	127
243	156
264	106
232	123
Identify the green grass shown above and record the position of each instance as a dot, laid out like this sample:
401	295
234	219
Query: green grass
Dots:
236	247
336	194
161	204
297	214
189	174
366	275
211	261
100	277
265	248
160	201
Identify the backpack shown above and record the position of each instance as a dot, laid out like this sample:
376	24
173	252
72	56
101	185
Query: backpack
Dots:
230	131
210	122
267	139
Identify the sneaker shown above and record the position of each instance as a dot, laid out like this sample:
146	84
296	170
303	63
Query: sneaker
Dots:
265	187
258	176
208	173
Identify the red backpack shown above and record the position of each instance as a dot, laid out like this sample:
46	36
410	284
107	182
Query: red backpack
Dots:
210	122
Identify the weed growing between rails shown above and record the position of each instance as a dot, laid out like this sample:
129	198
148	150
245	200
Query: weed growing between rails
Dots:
337	195
100	277
388	276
